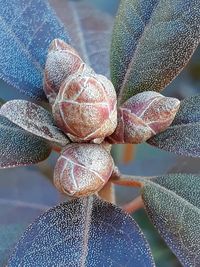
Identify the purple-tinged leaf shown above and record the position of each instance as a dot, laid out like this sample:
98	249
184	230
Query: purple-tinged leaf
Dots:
183	136
26	30
152	42
18	147
90	32
173	204
33	119
83	232
22	199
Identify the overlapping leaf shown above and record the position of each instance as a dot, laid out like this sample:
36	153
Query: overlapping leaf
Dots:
33	119
18	147
173	205
183	136
152	42
84	232
90	32
26	30
22	199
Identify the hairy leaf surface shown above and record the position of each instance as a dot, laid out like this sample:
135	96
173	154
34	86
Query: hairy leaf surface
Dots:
90	32
33	119
183	136
22	199
173	204
152	42
26	30
83	232
18	147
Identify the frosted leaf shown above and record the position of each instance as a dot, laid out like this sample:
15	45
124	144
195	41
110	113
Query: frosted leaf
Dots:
33	119
26	30
152	41
84	232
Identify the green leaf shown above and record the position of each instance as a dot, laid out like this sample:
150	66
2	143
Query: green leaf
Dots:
22	199
182	137
84	232
173	204
33	119
152	42
1	102
89	33
18	147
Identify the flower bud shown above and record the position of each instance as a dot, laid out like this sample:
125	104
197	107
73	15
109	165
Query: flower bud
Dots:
85	108
143	116
82	169
62	61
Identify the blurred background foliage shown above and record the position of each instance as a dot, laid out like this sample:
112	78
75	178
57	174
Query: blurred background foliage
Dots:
29	192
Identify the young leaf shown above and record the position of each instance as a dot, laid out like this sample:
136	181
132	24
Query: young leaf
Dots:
22	199
26	30
33	119
152	42
173	204
90	31
83	232
182	137
18	147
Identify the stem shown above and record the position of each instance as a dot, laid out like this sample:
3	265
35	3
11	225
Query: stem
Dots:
129	180
134	205
108	192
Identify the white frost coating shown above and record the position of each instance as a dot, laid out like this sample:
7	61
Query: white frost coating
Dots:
33	119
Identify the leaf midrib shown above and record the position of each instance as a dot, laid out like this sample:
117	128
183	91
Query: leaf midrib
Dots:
135	53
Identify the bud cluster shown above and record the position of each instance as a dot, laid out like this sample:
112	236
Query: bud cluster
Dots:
84	107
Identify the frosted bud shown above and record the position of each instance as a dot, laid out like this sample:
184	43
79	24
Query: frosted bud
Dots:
82	169
85	108
143	116
62	61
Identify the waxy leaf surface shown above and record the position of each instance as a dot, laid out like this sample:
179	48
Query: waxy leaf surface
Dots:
26	30
22	199
83	232
90	32
173	204
152	42
183	136
18	147
33	119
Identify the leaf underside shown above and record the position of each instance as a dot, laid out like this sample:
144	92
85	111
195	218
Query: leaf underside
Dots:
152	42
90	32
33	119
26	30
182	137
83	232
173	204
18	147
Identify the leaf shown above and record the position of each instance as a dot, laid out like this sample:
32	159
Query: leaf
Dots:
83	232
18	147
152	42
173	204
90	31
22	199
182	137
33	119
26	30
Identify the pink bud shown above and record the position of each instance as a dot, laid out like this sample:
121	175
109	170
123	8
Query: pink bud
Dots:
62	61
143	116
85	108
82	169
